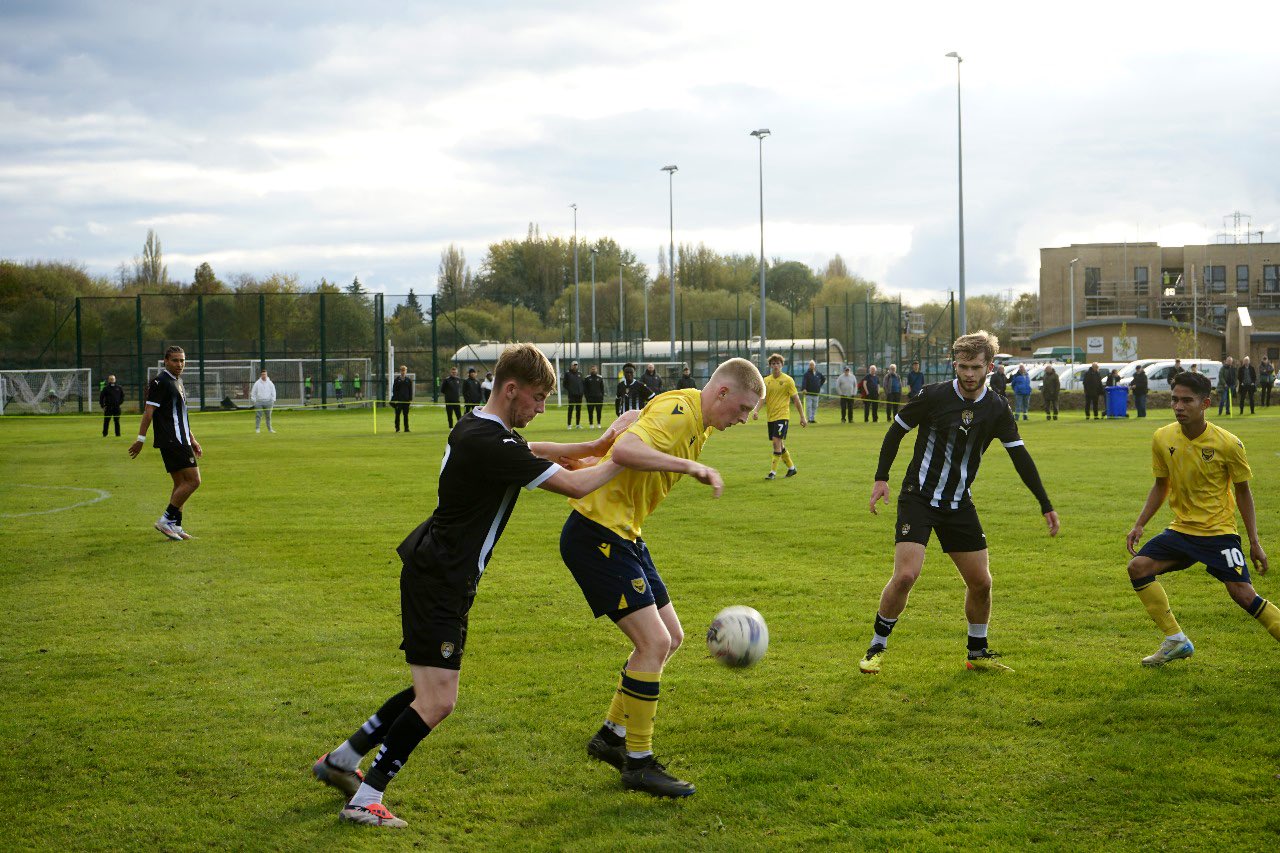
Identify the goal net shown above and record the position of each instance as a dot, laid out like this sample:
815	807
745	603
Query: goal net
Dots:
297	381
45	392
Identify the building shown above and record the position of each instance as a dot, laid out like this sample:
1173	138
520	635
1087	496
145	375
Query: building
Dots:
1160	294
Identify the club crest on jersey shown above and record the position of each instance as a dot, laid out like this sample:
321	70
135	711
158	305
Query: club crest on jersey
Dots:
1206	454
966	417
446	650
906	528
605	548
677	410
638	583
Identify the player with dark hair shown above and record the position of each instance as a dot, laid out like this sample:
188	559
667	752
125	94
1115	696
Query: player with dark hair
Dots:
166	408
780	394
1202	470
632	393
486	463
957	420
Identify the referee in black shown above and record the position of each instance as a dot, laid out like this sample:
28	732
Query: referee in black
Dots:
166	409
486	464
111	399
957	421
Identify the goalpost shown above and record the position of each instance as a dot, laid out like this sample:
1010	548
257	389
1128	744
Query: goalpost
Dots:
45	392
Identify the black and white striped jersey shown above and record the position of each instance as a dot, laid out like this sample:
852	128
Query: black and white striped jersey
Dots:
168	400
954	433
485	465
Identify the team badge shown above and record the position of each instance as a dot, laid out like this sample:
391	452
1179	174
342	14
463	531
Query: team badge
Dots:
966	417
446	650
1206	454
638	583
906	528
677	410
605	548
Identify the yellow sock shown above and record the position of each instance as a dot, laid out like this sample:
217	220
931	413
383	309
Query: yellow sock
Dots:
1269	616
1157	603
617	708
786	458
639	692
774	465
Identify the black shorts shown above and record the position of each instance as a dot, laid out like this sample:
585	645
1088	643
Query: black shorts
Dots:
958	530
433	616
1221	554
616	575
778	429
178	458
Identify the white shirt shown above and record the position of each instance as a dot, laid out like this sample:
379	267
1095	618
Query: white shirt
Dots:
264	391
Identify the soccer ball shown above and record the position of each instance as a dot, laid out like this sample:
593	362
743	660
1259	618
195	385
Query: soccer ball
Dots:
738	636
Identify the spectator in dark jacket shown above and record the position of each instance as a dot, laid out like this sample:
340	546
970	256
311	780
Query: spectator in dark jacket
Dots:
999	382
111	399
869	390
402	396
1113	378
1228	378
652	381
686	380
1267	379
892	392
472	393
451	388
1092	383
1248	382
915	379
571	385
593	391
811	384
1050	386
1139	387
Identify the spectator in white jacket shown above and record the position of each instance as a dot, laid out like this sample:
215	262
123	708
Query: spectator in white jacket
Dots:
263	397
847	388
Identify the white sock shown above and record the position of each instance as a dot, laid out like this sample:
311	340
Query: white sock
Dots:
345	757
366	795
620	731
978	630
1178	636
644	754
877	640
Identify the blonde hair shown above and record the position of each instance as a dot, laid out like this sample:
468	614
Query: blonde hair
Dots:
741	373
980	343
526	365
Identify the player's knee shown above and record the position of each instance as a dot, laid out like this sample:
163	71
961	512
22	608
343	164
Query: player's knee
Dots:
677	638
433	709
1139	568
905	577
980	585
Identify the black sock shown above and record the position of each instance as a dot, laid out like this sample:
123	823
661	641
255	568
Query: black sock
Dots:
610	737
883	626
172	513
374	730
977	644
405	734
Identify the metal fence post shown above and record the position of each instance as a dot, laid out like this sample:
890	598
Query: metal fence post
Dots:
200	343
262	331
324	356
435	367
80	353
141	373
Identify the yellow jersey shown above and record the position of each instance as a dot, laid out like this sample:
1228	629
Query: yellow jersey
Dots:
671	423
1201	474
777	396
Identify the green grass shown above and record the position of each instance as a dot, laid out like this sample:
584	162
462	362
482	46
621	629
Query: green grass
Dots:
160	695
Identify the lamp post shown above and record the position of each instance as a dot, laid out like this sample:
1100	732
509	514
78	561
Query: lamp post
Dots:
760	135
594	345
577	334
1072	267
622	308
960	182
671	259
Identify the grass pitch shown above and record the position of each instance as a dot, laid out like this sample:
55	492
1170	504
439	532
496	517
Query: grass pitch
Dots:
162	695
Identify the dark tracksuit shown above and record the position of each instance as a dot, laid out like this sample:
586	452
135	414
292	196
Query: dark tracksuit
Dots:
1248	383
111	399
451	388
1227	379
401	397
870	386
571	384
1092	393
472	393
593	391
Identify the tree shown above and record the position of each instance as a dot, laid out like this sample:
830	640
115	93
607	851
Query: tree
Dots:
793	284
206	282
410	307
355	288
836	268
454	277
149	270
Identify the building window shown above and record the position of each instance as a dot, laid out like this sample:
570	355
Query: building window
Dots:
1242	278
1219	315
1271	278
1143	310
1093	281
1215	279
1140	282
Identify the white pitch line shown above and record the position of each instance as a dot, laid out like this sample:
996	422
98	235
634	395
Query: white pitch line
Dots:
101	495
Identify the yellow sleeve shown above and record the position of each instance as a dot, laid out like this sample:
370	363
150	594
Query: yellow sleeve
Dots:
791	388
1238	463
1159	465
656	428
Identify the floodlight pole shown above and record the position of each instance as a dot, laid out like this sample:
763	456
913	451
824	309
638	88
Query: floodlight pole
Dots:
594	346
622	307
760	135
1072	267
577	333
671	271
964	328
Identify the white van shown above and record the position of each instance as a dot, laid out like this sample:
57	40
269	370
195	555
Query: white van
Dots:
1158	374
1073	378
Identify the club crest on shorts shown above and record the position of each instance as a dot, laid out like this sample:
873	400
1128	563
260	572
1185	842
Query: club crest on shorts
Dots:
1206	454
638	583
446	650
906	528
966	417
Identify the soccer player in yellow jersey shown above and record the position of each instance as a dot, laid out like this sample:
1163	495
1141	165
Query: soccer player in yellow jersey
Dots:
602	546
1203	471
779	395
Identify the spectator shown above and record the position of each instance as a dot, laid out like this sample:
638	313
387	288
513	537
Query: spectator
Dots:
263	397
571	385
915	379
1266	378
632	393
111	398
652	381
306	391
811	384
593	391
892	392
1248	379
337	390
1092	392
471	393
1050	386
847	388
1113	378
869	388
486	387
451	388
999	382
1021	392
355	387
402	396
1228	379
686	380
1139	387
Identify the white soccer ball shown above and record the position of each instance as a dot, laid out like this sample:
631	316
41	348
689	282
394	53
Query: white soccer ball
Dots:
738	636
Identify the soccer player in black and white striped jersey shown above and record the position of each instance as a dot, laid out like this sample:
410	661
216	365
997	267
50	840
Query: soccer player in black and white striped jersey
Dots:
957	421
166	409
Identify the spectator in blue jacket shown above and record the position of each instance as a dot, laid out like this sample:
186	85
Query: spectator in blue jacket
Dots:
892	392
869	388
811	384
915	379
1021	392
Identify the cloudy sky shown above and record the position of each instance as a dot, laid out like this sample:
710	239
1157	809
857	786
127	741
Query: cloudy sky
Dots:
337	139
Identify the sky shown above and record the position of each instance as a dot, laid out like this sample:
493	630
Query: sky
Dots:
336	139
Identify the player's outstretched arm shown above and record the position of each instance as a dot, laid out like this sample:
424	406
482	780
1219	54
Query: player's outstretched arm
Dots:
583	453
1248	513
136	447
879	494
630	451
1155	498
582	482
1026	468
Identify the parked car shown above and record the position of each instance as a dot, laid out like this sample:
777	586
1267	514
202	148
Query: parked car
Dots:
1159	373
1073	379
